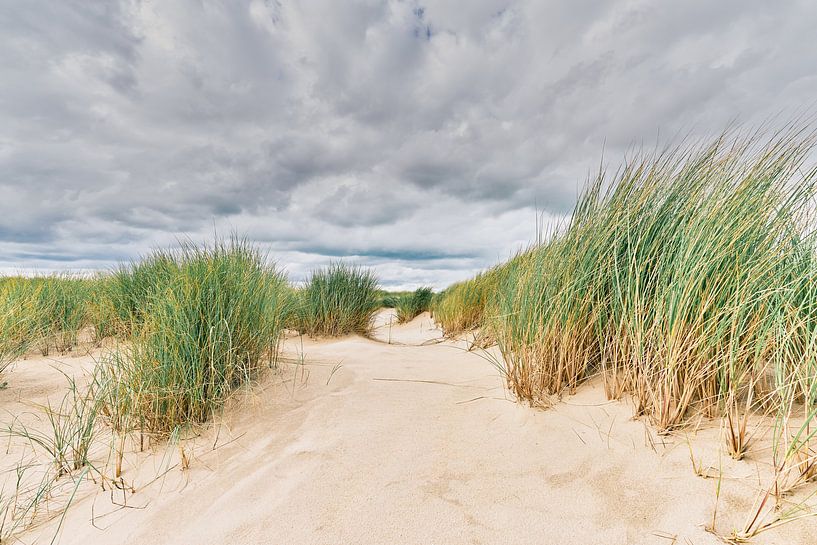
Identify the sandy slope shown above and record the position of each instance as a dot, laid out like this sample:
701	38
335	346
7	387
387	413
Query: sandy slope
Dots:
369	442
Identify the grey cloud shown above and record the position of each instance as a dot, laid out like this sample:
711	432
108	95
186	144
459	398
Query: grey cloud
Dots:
418	137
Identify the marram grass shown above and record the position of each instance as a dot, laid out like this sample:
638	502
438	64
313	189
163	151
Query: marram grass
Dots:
337	300
468	305
389	299
62	304
411	305
203	323
129	289
461	307
18	318
44	313
687	279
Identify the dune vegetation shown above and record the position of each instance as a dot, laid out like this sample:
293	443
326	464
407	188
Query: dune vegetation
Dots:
204	321
686	280
337	300
461	307
186	327
43	313
411	305
389	299
17	319
469	304
235	306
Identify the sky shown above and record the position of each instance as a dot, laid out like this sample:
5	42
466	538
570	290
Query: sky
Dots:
424	139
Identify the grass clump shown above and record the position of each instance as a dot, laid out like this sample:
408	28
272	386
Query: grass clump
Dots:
338	300
466	305
61	311
460	307
687	279
204	321
101	311
128	291
389	299
18	319
42	313
411	305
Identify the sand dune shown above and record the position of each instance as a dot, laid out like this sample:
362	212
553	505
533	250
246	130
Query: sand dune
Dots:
362	441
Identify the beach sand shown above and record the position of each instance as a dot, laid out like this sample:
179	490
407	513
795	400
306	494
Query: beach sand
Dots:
359	441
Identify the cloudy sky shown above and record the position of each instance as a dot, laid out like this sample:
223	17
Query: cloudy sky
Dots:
417	137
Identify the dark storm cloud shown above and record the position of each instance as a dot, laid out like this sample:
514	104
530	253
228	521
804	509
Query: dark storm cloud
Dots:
418	137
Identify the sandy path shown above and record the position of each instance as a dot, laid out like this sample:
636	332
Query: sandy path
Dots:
419	444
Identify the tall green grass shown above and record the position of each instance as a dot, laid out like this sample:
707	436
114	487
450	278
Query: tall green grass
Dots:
204	320
470	304
687	278
45	313
101	310
61	312
18	321
411	305
461	307
389	299
338	300
128	289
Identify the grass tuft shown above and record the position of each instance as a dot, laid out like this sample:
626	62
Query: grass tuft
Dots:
338	300
411	305
41	313
209	320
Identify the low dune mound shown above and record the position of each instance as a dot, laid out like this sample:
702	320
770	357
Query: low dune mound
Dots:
420	330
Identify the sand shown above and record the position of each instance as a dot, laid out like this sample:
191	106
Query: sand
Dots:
361	441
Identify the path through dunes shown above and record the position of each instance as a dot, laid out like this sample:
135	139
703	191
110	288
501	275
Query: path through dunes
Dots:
369	442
